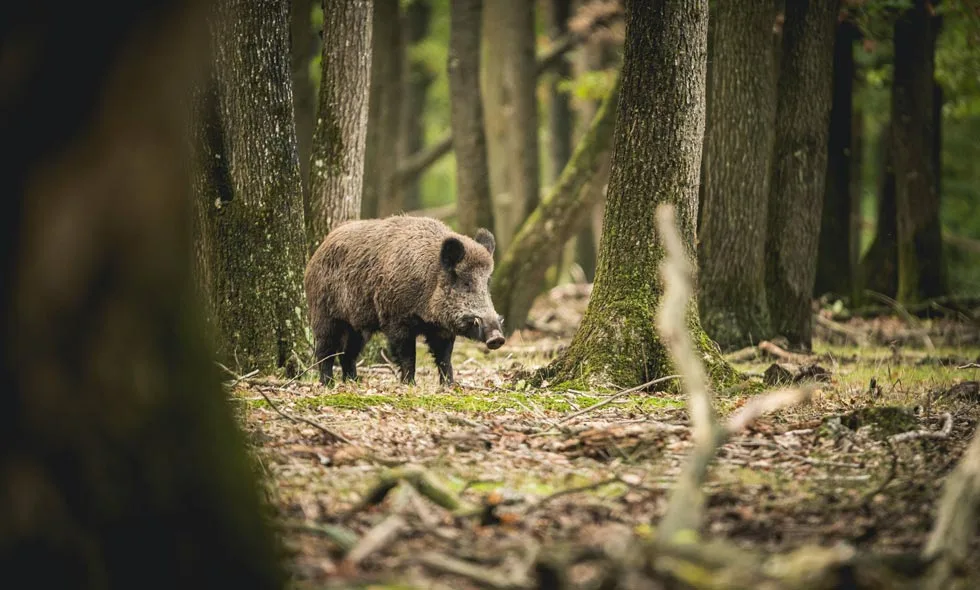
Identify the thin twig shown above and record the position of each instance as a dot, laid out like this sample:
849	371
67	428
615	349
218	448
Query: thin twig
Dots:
616	396
576	490
765	404
969	366
943	432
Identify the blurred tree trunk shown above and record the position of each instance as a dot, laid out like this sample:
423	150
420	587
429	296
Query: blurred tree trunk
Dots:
416	80
561	120
302	46
738	149
342	118
521	272
920	260
256	229
835	263
511	112
380	196
799	166
879	267
656	159
856	190
473	206
121	465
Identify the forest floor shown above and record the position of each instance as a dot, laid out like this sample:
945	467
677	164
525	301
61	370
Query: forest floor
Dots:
501	470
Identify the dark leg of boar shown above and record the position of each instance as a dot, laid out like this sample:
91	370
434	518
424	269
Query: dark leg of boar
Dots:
328	344
402	342
441	345
348	361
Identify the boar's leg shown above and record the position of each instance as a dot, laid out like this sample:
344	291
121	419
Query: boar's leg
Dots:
348	361
328	344
402	342
441	345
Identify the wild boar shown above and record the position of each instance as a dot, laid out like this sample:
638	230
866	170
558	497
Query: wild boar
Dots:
405	277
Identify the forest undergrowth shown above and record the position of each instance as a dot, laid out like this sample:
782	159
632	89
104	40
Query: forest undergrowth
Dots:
377	484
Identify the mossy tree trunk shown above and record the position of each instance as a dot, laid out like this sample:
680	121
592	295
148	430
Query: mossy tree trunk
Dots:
521	272
342	118
302	47
379	195
879	267
256	229
799	166
121	465
656	159
416	81
474	208
921	272
511	113
835	264
737	155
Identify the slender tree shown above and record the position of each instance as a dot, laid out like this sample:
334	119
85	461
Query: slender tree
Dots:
921	271
799	165
511	113
879	267
416	79
121	465
835	264
473	206
379	197
560	117
342	118
738	148
656	159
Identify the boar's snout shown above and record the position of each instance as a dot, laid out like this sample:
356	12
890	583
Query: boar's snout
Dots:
487	330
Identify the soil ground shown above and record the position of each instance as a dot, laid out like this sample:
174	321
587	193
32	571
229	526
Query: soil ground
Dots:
531	469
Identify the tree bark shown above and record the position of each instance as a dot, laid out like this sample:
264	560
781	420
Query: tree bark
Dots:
738	149
920	261
342	118
799	166
302	47
656	159
560	117
379	197
121	465
834	261
257	233
473	204
416	80
511	114
520	275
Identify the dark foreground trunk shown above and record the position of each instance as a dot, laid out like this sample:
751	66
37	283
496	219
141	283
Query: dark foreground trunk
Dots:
120	463
799	166
656	159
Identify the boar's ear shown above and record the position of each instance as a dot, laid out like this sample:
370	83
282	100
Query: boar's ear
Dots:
485	239
452	253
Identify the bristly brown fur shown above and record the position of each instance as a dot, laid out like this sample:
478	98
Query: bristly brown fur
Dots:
403	276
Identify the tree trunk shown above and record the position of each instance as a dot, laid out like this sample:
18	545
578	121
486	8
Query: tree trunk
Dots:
379	197
520	275
302	46
560	117
257	233
879	268
656	159
511	112
121	465
799	166
856	190
738	147
473	205
416	80
834	261
920	261
342	118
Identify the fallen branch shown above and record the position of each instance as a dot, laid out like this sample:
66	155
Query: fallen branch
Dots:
297	419
614	397
943	432
482	576
376	539
765	404
856	336
778	352
969	366
908	317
